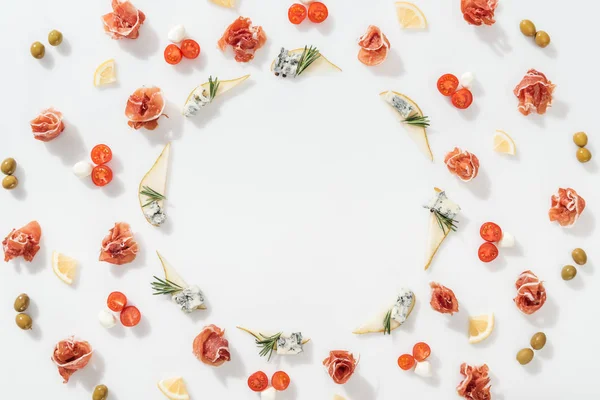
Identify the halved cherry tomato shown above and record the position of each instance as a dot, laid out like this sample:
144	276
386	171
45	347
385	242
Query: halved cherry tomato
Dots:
462	98
190	48
447	84
173	54
130	316
406	362
102	175
491	232
101	154
421	351
488	252
280	380
317	12
116	301
258	381
297	13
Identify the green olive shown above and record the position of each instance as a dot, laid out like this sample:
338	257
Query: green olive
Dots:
583	155
568	272
524	356
100	392
538	341
579	256
9	165
21	302
24	321
542	39
55	38
37	50
10	182
580	139
527	27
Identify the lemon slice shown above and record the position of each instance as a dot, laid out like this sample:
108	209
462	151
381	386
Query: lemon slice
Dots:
410	16
105	73
224	3
64	267
480	327
174	388
504	143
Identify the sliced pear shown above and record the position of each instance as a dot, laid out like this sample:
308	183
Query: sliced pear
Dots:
417	134
257	334
435	237
224	86
156	179
320	65
173	276
338	397
375	325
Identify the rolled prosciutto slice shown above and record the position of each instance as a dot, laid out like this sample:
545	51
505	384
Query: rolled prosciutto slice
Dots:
244	38
443	299
531	293
211	347
374	46
71	355
463	164
119	247
566	207
144	108
23	242
47	125
124	21
476	382
340	365
479	12
534	93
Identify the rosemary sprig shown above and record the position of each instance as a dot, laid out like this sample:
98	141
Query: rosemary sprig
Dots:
268	344
165	286
417	120
214	86
387	323
444	222
152	195
309	55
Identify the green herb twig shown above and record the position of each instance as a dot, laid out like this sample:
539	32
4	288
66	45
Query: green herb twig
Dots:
417	120
309	55
160	286
447	224
152	195
267	344
387	323
213	87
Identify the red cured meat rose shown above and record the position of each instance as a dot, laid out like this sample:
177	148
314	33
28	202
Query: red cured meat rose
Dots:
566	207
23	242
244	38
443	299
478	12
476	383
124	22
531	294
118	247
144	108
70	356
47	125
462	164
211	347
340	365
374	46
534	93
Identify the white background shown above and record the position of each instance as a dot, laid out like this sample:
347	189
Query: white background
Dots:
296	205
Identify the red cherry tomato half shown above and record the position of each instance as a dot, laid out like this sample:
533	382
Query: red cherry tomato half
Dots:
447	84
406	362
421	351
317	12
462	98
280	380
130	316
297	13
190	48
488	252
490	232
102	175
116	301
101	154
172	54
258	381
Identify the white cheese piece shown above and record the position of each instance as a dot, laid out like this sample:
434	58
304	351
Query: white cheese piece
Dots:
423	369
107	319
466	80
290	344
177	33
83	169
190	299
403	305
268	394
198	100
286	63
154	213
443	205
507	240
401	105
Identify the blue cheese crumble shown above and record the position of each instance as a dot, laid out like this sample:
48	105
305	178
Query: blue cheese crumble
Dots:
154	213
399	104
288	345
403	305
443	205
286	63
189	299
198	100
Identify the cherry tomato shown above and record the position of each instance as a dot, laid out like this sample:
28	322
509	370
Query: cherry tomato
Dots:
317	12
297	13
116	301
406	362
172	54
280	380
421	351
102	175
258	381
488	252
462	98
490	232
130	316
190	48
447	84
101	154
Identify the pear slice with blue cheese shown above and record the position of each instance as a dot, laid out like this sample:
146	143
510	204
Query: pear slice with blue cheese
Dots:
173	282
152	189
288	63
442	221
205	94
268	342
392	316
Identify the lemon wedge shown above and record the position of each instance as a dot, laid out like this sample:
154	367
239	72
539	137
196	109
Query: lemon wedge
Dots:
64	267
105	73
480	327
410	16
224	3
174	388
503	143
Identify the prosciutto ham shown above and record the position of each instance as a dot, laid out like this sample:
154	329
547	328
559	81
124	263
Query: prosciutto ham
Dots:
340	365
211	347
566	207
144	108
443	299
71	355
531	294
118	247
462	164
476	382
47	125
124	21
23	242
534	93
244	38
374	46
478	12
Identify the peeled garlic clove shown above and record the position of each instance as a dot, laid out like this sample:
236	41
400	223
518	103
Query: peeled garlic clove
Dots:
423	369
466	80
177	33
83	169
507	240
107	319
